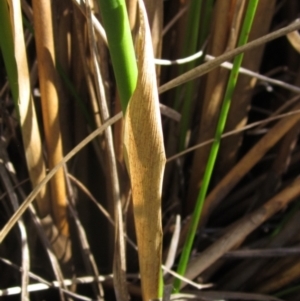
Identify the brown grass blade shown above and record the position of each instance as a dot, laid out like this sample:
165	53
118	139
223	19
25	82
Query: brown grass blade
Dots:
223	38
41	233
23	244
87	255
155	17
248	161
63	38
208	66
8	226
29	127
47	76
217	295
119	261
294	39
240	103
283	158
132	12
248	271
285	276
244	165
239	231
155	11
145	156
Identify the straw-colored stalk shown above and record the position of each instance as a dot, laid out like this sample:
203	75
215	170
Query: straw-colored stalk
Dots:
50	106
29	127
145	158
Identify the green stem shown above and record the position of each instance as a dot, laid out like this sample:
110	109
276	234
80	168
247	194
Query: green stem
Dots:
251	9
7	48
189	47
197	29
116	23
190	41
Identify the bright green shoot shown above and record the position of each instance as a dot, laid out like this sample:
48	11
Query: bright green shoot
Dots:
116	24
250	13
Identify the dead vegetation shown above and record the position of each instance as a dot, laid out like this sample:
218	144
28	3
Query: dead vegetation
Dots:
94	201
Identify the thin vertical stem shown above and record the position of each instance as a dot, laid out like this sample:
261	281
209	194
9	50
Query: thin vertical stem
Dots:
50	107
251	9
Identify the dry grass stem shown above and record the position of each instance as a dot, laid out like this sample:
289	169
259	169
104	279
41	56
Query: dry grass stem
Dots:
145	159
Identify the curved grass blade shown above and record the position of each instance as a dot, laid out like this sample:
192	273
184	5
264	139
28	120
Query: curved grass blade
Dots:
145	159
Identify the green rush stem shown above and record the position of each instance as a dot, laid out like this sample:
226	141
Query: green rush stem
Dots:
190	47
201	29
7	48
205	24
116	24
202	32
250	13
191	40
